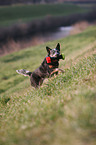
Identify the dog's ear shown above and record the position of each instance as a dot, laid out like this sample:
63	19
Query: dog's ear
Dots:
58	47
48	49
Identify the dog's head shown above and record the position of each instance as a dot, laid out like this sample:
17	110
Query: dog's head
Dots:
54	52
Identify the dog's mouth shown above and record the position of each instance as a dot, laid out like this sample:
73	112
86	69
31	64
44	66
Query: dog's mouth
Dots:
55	55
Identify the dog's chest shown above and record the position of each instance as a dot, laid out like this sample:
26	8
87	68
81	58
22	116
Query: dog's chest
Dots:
50	64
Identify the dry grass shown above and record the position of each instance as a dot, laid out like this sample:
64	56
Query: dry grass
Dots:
13	46
80	27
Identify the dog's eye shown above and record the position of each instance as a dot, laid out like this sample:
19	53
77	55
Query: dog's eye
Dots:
58	51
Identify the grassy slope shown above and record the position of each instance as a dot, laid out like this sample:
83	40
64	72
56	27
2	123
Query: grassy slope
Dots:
14	14
72	47
60	112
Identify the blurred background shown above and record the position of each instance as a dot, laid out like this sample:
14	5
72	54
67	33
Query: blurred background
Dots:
25	23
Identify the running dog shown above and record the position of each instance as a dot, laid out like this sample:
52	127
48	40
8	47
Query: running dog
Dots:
48	67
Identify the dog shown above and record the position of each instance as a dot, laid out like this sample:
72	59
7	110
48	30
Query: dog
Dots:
48	67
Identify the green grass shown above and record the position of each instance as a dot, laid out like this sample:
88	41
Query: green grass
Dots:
63	110
72	47
16	14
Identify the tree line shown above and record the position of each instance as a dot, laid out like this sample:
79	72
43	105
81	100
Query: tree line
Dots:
10	2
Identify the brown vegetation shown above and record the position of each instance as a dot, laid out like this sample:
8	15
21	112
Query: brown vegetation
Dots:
20	35
79	27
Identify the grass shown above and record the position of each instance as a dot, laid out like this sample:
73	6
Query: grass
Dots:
23	13
72	47
63	110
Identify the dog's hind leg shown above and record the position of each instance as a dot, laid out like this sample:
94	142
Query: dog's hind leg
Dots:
41	81
36	80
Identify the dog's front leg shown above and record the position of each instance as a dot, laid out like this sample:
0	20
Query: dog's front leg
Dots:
56	71
60	70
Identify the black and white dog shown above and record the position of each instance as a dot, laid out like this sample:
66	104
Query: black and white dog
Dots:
48	67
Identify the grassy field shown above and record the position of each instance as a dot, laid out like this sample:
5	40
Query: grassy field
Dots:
63	110
23	13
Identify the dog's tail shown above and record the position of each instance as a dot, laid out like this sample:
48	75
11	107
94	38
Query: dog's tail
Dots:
24	72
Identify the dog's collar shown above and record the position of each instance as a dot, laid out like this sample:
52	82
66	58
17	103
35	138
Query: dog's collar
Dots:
51	59
48	59
52	62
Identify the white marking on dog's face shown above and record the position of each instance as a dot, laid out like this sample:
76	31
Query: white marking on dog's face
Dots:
54	52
